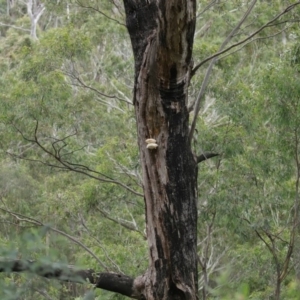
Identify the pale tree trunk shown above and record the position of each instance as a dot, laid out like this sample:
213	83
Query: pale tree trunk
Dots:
35	9
9	5
162	33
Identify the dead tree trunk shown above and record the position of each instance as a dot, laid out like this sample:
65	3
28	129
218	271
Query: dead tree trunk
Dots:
162	34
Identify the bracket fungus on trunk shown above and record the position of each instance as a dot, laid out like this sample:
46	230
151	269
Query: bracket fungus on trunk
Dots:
151	144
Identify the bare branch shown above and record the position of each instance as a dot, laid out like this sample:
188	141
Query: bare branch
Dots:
207	7
295	223
100	12
206	155
126	224
209	69
15	27
133	176
113	282
83	223
67	165
83	85
268	24
23	218
253	40
118	7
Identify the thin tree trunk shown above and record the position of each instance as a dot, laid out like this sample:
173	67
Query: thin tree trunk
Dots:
162	38
9	4
35	9
277	289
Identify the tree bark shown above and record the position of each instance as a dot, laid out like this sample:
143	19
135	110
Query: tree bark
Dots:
162	34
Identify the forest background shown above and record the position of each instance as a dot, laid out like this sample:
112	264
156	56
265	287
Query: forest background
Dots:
66	79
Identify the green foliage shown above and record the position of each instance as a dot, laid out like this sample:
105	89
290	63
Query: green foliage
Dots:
55	90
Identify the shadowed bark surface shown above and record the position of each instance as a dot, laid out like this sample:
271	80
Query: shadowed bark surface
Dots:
162	38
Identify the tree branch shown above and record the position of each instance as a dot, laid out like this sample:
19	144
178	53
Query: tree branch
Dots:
268	24
30	220
100	12
197	102
84	85
256	39
113	282
67	165
207	7
14	27
100	245
124	223
204	156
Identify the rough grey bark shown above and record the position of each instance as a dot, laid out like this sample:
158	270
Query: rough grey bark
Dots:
162	34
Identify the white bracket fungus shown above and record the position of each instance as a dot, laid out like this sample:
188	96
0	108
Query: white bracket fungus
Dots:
151	144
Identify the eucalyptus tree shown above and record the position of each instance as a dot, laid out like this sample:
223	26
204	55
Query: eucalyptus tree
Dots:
162	37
